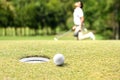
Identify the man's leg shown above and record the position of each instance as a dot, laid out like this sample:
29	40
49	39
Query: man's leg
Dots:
77	29
76	32
85	36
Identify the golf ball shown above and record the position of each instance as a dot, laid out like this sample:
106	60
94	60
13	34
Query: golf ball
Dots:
58	59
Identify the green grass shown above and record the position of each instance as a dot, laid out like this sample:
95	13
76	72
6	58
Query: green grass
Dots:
26	37
62	35
84	60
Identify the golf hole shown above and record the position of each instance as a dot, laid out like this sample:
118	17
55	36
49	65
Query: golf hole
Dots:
34	59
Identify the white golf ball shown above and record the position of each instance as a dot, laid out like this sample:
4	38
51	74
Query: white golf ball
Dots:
58	59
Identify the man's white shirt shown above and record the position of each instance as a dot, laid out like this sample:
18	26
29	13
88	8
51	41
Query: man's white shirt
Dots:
78	13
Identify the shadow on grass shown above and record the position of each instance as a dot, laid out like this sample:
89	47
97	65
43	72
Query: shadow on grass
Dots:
64	65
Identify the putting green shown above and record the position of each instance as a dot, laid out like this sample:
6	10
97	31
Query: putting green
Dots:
84	60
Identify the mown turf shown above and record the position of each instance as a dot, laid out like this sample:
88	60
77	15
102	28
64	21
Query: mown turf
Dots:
84	60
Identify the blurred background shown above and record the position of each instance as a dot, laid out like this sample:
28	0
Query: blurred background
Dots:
51	17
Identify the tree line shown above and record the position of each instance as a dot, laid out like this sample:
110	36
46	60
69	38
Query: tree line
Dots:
47	17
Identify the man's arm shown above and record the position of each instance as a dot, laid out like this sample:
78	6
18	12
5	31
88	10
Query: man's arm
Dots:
82	20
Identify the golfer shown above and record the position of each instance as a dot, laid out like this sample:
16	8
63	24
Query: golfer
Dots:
78	19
